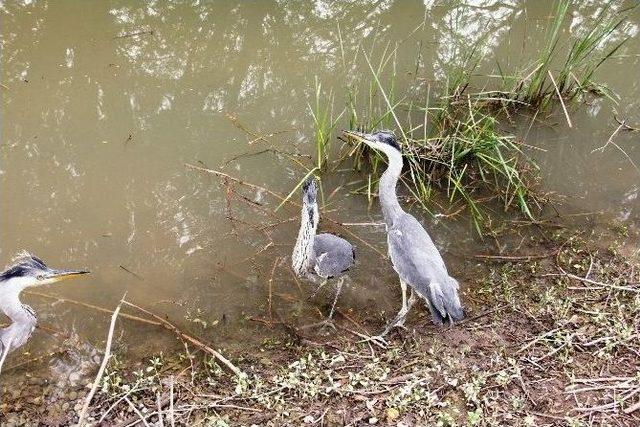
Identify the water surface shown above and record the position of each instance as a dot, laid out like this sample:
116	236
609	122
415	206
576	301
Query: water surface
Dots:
103	103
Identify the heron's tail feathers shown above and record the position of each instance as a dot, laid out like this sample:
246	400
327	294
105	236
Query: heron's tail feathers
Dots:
444	301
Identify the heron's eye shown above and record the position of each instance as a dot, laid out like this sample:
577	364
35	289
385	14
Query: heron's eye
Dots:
40	277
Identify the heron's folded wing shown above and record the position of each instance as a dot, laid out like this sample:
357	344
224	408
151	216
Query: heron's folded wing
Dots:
334	255
415	258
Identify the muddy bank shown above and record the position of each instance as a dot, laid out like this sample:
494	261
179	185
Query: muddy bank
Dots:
551	338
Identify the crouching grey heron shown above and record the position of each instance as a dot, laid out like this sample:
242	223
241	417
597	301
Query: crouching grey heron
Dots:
25	271
414	256
319	256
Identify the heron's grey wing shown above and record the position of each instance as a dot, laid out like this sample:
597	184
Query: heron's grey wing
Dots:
334	255
419	263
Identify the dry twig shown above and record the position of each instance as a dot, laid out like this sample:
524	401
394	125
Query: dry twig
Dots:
103	365
170	326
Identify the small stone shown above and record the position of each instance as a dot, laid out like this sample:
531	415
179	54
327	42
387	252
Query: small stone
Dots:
65	406
37	400
73	395
266	361
74	378
392	414
373	420
333	419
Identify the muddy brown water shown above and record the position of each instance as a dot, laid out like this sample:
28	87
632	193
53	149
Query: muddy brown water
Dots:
103	103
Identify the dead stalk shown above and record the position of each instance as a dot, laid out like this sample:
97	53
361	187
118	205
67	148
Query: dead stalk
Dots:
285	200
564	108
94	307
171	327
103	365
270	293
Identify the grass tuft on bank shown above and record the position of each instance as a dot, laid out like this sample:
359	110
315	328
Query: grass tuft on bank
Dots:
462	141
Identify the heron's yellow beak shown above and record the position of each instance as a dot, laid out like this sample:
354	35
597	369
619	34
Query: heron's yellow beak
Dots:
60	275
358	136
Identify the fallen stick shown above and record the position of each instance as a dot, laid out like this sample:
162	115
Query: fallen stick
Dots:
138	413
564	108
137	276
137	33
94	307
479	315
514	257
136	418
601	285
285	200
632	408
160	322
103	365
625	125
270	293
5	351
171	327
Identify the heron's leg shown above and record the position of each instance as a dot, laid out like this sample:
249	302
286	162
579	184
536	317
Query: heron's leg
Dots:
398	321
338	291
320	286
328	322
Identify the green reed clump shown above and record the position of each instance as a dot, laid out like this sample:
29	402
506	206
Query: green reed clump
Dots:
458	143
572	68
465	152
325	123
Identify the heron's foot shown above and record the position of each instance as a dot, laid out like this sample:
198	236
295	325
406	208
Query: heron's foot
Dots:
377	340
397	322
390	327
328	326
324	325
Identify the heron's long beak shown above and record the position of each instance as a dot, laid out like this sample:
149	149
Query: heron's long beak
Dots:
360	136
60	275
366	138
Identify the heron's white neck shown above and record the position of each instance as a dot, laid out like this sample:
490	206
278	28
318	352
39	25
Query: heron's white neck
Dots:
23	320
303	254
10	303
387	186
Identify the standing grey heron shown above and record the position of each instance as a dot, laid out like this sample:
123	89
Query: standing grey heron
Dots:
414	256
319	256
25	271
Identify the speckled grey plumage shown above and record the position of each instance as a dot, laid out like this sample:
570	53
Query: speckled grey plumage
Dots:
334	256
324	255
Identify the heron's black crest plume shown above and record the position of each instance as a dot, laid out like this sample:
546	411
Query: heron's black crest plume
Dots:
387	137
23	264
310	189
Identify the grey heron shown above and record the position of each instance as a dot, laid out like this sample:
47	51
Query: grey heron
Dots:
25	271
414	256
319	256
